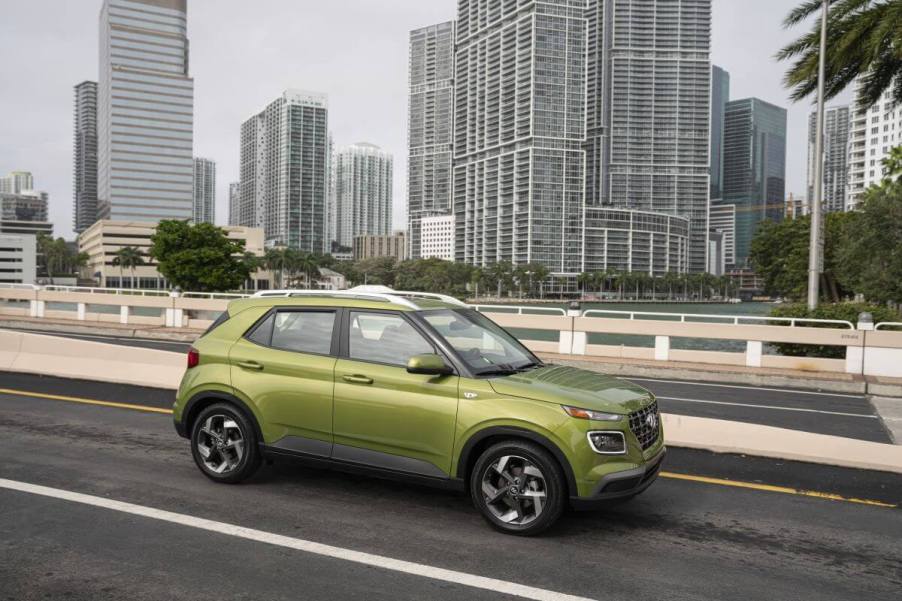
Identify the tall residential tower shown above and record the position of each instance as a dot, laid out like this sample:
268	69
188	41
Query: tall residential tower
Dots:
284	171
429	127
361	192
84	147
836	157
720	96
204	210
145	112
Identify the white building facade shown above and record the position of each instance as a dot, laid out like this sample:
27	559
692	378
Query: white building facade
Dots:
284	171
361	192
874	132
145	112
204	208
836	157
437	237
234	203
18	258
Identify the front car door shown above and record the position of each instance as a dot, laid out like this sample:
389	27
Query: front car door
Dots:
285	364
384	416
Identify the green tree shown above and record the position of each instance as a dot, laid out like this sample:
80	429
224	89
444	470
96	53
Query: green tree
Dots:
198	257
275	261
128	257
864	43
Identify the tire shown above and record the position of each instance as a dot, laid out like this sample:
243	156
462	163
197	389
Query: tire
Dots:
507	502
224	444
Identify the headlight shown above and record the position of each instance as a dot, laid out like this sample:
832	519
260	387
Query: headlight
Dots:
593	415
607	443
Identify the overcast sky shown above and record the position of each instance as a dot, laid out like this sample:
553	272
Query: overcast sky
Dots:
244	53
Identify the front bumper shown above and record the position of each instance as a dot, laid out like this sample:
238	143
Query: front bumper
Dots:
626	483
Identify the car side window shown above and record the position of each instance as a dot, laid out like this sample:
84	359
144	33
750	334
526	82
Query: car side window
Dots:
384	338
298	331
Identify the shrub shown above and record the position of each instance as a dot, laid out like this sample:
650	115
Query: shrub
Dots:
845	311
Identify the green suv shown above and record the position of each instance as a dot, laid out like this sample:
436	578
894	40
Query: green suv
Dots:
415	386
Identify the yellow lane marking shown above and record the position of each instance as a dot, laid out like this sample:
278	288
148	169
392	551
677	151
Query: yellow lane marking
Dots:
75	399
770	488
672	475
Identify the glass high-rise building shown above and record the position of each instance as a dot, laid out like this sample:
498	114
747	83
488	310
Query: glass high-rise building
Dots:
145	112
284	171
836	156
429	127
361	192
659	110
204	210
720	96
519	129
84	147
234	203
754	167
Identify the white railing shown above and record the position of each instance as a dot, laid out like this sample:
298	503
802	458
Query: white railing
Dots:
734	319
519	309
95	290
891	324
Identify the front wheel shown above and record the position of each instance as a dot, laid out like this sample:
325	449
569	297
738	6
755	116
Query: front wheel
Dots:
518	487
224	444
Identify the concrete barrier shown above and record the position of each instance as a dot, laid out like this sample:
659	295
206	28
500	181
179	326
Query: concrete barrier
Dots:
85	360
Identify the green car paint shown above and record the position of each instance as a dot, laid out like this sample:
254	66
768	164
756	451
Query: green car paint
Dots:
329	406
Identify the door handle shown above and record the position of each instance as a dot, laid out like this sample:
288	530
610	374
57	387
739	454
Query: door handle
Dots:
250	365
357	379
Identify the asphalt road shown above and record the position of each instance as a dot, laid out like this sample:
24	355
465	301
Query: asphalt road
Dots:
680	540
847	415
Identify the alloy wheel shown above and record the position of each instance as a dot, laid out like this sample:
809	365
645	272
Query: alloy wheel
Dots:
220	443
514	490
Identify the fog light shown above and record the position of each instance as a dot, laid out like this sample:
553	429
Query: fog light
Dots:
607	443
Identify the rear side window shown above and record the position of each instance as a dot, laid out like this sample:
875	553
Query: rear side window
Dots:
223	317
299	331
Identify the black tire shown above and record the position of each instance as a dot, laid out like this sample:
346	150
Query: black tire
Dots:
239	467
553	484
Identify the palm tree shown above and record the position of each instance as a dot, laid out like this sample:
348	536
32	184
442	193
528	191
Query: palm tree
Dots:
864	44
538	273
584	279
274	259
308	265
128	257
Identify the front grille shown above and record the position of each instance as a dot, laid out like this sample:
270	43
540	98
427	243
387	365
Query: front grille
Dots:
646	433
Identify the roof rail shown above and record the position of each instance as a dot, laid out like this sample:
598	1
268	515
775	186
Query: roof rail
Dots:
378	293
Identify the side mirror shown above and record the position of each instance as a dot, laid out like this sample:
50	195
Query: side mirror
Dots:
429	365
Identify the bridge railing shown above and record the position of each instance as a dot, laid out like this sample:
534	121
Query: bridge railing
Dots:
868	349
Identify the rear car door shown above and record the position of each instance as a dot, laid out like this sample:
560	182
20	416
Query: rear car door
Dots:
384	416
285	366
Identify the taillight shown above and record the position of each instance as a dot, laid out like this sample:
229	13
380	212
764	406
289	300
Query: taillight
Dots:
193	357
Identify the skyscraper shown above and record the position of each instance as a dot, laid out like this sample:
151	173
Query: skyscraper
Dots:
361	192
754	167
659	110
145	112
204	209
874	132
284	171
429	128
720	96
519	130
836	157
85	156
234	203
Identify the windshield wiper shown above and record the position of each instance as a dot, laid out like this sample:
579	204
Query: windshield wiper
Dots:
502	369
529	365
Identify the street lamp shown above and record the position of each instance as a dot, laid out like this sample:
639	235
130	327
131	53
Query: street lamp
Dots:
816	250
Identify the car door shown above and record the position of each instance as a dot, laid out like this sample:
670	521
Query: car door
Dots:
384	416
285	366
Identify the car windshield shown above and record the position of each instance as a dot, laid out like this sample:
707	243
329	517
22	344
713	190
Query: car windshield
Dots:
485	347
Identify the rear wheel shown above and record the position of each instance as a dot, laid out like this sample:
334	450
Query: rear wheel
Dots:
224	444
518	487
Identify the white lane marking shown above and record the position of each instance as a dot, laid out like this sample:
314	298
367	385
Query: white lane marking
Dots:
684	382
674	398
370	559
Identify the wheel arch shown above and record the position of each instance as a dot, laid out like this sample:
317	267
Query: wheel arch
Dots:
486	437
201	400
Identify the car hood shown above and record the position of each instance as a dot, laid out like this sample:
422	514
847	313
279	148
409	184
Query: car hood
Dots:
576	387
